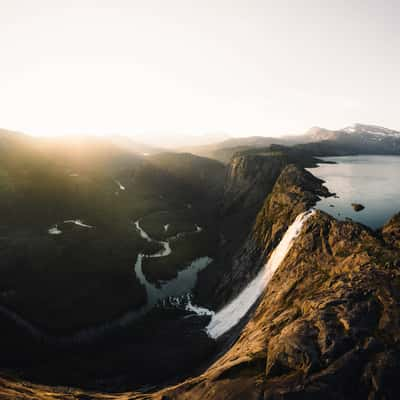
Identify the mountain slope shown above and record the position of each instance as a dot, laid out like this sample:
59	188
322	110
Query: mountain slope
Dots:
327	326
45	182
251	176
355	139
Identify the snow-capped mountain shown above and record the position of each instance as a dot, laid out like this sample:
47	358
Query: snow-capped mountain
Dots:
354	139
371	130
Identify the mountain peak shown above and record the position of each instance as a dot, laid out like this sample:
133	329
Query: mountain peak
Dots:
317	133
370	129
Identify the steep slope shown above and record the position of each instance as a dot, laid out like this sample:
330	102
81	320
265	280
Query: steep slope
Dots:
45	182
328	317
201	174
69	249
327	326
294	191
250	178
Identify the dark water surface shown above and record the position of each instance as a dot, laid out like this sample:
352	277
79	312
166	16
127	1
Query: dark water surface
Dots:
373	181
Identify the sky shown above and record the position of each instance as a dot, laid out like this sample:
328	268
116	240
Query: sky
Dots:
160	67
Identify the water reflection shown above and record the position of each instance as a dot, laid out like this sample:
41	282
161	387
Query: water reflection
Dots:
373	181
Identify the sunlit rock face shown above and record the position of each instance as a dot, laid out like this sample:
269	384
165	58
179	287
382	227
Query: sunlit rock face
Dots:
326	327
225	319
391	232
293	193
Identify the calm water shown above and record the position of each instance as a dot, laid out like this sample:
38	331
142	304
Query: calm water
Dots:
373	181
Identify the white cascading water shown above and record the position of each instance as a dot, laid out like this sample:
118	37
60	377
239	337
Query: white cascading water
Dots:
225	319
221	321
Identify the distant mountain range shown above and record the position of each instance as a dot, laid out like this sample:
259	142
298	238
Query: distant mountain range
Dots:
354	139
357	138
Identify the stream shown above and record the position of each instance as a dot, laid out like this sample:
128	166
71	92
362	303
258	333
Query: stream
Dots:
174	292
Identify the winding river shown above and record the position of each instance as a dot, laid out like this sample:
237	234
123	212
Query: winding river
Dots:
177	292
232	313
174	289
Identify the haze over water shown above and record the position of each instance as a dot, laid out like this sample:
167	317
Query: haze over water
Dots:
372	181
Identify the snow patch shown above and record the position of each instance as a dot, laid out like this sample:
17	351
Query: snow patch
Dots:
371	130
233	312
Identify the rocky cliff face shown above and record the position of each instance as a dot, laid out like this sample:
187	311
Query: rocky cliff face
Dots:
250	178
294	191
327	326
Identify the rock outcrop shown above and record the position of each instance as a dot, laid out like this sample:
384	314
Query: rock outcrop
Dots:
249	180
357	207
391	232
294	191
327	326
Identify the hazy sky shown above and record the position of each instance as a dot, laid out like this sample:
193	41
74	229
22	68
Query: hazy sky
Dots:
245	67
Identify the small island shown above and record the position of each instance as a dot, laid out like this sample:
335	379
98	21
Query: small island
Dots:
357	207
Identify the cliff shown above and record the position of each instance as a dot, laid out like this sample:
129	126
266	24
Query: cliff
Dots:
249	180
326	327
246	212
294	191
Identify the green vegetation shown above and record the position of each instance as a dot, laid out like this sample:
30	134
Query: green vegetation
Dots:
72	280
184	250
85	276
166	224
